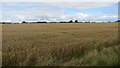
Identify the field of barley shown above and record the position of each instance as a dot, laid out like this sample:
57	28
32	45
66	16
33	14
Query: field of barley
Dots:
55	44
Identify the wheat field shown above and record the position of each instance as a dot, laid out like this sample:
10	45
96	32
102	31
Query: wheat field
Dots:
60	44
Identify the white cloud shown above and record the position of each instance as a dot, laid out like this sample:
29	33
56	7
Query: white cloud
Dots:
51	16
60	0
20	17
54	11
83	15
80	5
63	17
108	17
62	5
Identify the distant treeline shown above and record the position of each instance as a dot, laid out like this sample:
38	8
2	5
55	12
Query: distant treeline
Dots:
71	21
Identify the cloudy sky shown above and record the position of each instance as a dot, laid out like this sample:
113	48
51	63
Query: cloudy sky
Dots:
59	11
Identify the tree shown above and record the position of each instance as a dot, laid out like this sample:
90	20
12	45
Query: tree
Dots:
76	21
42	22
70	21
80	22
24	22
87	22
3	22
118	20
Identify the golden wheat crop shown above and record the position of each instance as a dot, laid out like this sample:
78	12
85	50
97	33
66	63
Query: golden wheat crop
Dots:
71	44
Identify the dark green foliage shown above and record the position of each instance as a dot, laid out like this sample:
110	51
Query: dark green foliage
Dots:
70	21
76	21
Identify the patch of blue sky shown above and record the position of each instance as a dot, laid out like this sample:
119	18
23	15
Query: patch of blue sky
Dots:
70	11
112	10
13	7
